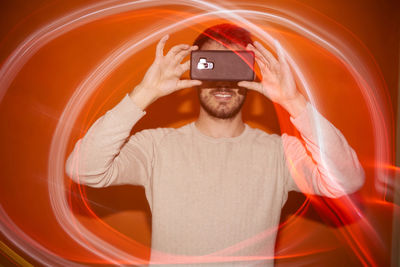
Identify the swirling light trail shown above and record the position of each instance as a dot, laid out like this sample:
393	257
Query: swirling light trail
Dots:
66	219
124	53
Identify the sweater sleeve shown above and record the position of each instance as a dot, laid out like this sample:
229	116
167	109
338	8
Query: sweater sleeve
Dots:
325	164
106	155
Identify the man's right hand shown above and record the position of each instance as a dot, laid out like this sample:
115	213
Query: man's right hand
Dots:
163	76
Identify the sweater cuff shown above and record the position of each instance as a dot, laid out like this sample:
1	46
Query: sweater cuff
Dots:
127	112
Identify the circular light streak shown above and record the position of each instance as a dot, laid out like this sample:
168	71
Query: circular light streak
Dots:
56	164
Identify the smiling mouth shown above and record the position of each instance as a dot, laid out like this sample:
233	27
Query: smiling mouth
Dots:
224	94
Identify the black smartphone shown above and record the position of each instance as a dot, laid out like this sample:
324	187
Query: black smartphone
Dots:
222	65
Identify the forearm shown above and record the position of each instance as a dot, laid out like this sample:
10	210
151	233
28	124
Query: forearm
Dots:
333	169
142	97
93	156
295	106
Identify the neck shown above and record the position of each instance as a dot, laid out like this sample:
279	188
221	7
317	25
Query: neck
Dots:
219	128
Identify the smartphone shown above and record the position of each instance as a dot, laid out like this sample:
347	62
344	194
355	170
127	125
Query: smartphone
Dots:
222	65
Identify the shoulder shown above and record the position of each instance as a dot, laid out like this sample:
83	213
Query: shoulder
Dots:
156	135
263	138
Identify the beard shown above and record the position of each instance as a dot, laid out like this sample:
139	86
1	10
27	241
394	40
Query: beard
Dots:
222	109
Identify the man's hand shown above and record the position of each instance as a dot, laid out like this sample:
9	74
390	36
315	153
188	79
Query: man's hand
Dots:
277	80
163	76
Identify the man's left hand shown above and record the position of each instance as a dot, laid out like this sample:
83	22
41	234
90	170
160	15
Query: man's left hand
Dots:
277	80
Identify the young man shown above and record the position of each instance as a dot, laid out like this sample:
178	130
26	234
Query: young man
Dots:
216	182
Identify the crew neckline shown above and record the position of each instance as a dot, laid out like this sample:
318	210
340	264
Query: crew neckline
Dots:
220	139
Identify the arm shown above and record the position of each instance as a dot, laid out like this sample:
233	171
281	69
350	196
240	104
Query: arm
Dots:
331	168
106	155
326	165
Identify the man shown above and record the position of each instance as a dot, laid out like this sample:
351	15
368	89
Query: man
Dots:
213	185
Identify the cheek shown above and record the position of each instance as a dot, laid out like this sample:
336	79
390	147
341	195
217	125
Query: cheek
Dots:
205	95
239	99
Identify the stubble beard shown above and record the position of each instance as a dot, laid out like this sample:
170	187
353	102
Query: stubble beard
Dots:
220	109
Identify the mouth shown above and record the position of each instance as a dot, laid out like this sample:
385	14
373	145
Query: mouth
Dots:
223	94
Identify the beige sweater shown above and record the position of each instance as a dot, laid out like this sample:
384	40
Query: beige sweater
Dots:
208	194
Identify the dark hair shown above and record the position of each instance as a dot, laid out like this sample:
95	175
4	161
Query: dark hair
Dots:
225	34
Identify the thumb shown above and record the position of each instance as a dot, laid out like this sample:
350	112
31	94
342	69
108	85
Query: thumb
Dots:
256	86
187	83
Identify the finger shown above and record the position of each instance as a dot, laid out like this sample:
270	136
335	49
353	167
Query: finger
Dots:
281	57
266	73
182	54
183	68
176	49
263	66
160	46
187	83
257	53
266	54
251	85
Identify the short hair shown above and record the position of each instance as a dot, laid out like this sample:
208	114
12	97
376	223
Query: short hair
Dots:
225	34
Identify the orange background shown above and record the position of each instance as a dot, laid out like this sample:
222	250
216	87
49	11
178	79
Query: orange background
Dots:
34	102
